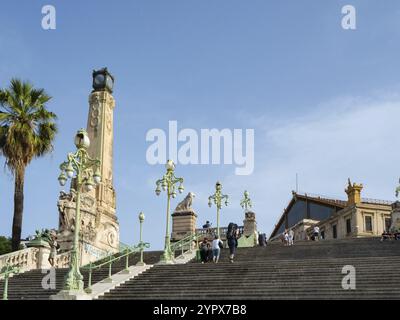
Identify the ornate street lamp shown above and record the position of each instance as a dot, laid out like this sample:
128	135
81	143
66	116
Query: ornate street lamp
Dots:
218	197
167	183
141	220
87	176
245	203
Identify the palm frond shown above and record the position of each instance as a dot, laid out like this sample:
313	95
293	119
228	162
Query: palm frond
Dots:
29	128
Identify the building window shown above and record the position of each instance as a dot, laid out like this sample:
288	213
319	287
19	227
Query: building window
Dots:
368	223
334	231
388	224
348	225
323	234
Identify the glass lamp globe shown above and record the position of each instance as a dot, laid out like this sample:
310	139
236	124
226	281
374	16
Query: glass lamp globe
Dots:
62	179
82	139
69	171
141	216
89	185
97	176
170	165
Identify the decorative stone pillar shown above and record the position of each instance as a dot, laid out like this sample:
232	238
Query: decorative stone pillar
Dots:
184	218
249	223
183	222
353	193
249	237
43	254
99	223
395	226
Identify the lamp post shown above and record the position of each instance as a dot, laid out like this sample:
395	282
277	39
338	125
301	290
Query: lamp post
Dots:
217	197
245	203
141	220
167	183
87	176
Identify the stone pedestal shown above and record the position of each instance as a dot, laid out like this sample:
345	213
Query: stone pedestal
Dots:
249	237
249	224
43	254
71	295
395	227
183	222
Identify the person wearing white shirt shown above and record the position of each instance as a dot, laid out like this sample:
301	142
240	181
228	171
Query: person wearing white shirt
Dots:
316	233
291	236
216	248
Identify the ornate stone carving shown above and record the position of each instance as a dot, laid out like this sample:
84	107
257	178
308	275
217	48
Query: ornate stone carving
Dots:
109	119
249	215
88	201
66	205
186	204
89	232
95	112
111	239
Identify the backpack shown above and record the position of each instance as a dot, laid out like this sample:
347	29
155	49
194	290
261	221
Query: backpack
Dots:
231	233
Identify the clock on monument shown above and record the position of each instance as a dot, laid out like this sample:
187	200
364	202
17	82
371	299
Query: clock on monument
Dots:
103	80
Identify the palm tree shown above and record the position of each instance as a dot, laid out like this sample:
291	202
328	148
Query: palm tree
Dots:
27	130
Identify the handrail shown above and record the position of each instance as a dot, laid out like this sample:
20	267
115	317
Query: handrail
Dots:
123	246
111	259
185	241
213	231
6	272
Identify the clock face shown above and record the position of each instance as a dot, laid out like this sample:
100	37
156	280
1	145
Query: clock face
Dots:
109	83
99	80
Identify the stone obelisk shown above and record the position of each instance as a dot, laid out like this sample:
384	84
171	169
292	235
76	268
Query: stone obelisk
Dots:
99	225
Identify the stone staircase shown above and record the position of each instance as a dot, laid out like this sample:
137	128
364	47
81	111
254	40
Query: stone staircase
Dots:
28	285
307	270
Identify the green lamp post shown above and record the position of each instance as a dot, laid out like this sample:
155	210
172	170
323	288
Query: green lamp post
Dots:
167	183
87	176
141	220
217	197
245	203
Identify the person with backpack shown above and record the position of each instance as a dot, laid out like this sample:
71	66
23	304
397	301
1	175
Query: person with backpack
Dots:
232	236
204	245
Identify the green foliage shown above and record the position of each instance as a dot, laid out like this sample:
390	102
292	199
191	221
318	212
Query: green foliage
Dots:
5	245
44	235
27	130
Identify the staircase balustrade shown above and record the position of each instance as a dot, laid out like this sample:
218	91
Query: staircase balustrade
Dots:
108	261
25	259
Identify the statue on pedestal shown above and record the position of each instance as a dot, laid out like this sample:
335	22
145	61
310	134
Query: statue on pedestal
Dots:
186	204
184	218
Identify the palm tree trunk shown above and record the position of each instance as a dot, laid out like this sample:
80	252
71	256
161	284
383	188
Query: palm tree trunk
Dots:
18	208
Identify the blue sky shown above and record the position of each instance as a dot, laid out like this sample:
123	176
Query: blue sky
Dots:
323	101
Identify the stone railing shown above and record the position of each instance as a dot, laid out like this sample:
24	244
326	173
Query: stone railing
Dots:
62	260
213	231
25	259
